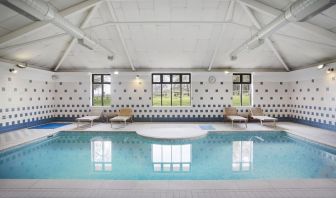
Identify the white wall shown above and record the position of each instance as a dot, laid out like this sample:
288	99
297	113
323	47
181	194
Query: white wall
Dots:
27	96
278	93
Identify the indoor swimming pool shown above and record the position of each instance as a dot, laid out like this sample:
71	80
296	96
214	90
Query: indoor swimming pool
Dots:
128	156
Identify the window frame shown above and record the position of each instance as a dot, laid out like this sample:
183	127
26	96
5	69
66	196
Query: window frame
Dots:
102	83
171	89
241	82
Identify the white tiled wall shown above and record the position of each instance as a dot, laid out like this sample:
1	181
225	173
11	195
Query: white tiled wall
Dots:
312	99
26	96
283	95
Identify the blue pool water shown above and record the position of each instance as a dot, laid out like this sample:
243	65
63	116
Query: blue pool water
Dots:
50	126
127	156
207	127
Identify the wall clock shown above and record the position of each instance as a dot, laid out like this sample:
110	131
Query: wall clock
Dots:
212	79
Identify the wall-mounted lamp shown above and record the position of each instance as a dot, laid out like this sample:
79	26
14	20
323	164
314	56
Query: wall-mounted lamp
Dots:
320	66
21	65
12	70
329	70
115	72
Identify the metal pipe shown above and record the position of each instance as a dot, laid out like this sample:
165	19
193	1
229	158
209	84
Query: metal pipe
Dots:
299	11
44	11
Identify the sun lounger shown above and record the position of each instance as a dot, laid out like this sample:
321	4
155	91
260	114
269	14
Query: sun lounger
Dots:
93	115
232	114
257	113
123	116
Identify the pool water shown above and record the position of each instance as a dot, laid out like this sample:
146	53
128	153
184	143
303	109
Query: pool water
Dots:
50	126
127	156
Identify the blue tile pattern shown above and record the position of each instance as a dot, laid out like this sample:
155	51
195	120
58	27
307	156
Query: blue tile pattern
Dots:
28	102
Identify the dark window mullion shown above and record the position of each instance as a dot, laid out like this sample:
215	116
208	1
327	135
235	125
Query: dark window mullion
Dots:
241	95
102	97
102	89
161	94
180	90
171	89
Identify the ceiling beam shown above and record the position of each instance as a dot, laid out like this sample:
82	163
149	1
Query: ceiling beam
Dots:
305	26
326	62
73	41
31	28
14	62
268	40
31	42
221	70
228	17
122	39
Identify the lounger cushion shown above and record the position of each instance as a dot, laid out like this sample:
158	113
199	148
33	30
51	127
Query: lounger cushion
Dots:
88	118
236	118
256	111
230	111
120	119
264	118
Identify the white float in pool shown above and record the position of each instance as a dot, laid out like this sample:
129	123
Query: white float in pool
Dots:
172	133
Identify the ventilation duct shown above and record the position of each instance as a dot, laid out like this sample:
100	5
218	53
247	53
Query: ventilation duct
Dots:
44	11
299	11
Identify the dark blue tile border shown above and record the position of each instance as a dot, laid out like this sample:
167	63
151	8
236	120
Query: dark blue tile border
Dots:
24	125
315	124
163	119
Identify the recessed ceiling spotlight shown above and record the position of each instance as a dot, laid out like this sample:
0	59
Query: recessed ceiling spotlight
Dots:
320	66
226	72
21	65
116	72
137	77
12	70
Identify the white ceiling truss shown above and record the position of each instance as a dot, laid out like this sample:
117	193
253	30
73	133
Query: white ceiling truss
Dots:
228	17
33	27
168	34
74	40
114	18
269	41
316	30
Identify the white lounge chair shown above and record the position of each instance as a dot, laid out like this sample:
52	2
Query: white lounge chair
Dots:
95	114
257	113
232	114
124	115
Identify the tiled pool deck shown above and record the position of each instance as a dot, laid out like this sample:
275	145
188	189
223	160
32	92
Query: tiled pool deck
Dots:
99	188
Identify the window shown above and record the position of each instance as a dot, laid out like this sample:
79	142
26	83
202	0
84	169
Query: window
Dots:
171	157
171	89
242	90
101	89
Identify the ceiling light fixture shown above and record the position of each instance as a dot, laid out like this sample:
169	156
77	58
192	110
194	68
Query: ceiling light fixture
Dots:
110	58
320	66
12	70
81	42
137	77
255	44
21	65
116	72
233	58
226	72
